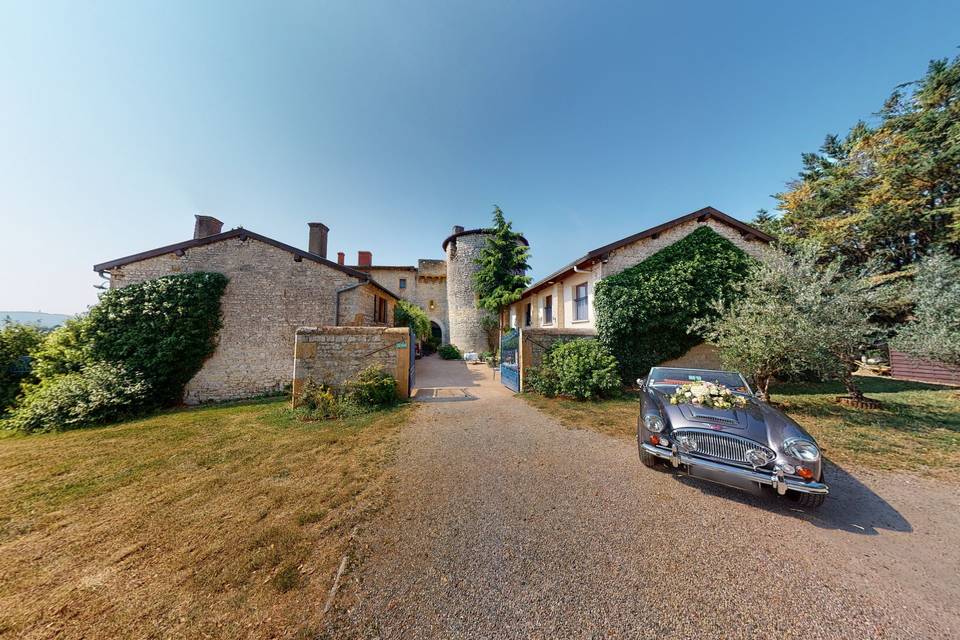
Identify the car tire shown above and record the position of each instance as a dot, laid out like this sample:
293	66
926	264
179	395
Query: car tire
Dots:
808	500
648	459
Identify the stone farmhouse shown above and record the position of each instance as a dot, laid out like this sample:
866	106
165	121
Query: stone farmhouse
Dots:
275	289
564	299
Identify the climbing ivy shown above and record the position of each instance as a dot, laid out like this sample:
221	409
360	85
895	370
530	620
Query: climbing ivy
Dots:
643	312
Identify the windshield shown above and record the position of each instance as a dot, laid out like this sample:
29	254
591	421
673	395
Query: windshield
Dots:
669	376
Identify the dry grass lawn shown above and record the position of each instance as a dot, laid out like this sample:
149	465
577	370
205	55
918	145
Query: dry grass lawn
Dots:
917	428
225	522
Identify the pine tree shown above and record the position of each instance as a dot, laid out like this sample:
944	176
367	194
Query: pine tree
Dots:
501	279
885	194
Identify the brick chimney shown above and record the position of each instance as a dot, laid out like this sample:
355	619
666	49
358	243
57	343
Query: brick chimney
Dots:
318	239
341	256
457	228
206	226
364	259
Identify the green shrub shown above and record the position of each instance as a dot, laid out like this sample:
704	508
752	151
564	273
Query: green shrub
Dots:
319	401
97	394
542	380
66	349
373	387
17	342
430	345
370	390
643	312
450	352
133	352
583	369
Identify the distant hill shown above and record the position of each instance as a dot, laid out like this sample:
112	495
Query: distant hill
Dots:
42	320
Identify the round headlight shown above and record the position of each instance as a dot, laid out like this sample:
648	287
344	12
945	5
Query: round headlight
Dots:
801	450
653	423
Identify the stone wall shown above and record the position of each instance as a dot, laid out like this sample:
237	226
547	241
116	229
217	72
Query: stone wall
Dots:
534	343
389	277
426	288
333	355
269	295
700	356
464	316
431	294
631	254
358	307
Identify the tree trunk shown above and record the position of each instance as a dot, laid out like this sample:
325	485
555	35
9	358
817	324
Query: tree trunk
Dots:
763	388
853	390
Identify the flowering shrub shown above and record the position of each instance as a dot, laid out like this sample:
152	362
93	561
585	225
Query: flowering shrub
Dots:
163	329
133	352
708	394
97	394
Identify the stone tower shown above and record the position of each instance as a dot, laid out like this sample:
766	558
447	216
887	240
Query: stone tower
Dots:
462	249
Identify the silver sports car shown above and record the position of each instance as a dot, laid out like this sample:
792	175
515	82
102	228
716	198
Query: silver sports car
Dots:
711	424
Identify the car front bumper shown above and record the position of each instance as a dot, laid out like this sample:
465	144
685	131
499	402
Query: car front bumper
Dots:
777	480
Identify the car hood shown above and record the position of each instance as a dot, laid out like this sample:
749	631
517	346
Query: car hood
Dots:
757	421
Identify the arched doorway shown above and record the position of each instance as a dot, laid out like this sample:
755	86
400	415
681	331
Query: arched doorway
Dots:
436	332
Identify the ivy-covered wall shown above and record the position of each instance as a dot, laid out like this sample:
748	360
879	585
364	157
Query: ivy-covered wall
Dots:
644	311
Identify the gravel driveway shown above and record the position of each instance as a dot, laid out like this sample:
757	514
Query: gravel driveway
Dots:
505	524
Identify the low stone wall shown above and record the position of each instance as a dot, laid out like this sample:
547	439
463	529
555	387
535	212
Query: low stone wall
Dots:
700	356
333	355
534	343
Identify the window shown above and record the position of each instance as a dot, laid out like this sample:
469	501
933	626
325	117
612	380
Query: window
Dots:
548	310
379	309
580	309
528	315
403	283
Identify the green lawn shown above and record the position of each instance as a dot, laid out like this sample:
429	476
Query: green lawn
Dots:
223	521
916	429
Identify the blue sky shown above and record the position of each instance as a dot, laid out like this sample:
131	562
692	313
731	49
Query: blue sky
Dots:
393	121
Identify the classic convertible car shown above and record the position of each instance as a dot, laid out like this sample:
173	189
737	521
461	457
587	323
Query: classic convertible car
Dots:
710	424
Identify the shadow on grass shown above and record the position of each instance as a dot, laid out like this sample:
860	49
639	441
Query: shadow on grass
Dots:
851	506
867	385
911	407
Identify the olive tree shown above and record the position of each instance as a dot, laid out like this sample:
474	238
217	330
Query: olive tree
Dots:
792	315
934	331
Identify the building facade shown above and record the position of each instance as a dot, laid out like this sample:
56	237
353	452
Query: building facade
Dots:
564	299
444	288
273	289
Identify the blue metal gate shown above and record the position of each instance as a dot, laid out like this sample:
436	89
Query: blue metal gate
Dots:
509	366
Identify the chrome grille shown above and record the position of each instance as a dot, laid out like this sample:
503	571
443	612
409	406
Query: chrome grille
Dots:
720	446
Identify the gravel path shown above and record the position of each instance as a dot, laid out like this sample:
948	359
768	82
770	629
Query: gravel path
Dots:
505	524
